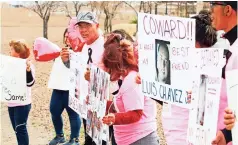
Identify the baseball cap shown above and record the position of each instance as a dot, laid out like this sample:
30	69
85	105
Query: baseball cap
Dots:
233	4
87	17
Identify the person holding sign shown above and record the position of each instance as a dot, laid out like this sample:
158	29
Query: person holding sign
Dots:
92	51
133	123
224	15
60	98
18	113
176	134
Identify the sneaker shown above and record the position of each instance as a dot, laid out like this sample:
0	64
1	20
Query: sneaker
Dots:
74	141
57	140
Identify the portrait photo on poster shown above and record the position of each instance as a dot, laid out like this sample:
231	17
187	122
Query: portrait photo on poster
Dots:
202	99
162	62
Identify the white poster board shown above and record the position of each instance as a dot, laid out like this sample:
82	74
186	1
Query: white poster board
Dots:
165	49
98	96
12	79
203	115
78	88
59	76
232	93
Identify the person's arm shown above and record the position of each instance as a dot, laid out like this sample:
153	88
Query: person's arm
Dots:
29	79
227	135
128	117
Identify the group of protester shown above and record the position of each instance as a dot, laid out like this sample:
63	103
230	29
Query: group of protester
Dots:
132	117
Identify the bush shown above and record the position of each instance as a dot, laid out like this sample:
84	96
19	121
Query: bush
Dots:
134	21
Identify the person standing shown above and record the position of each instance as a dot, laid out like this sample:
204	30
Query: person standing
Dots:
18	113
60	99
92	51
224	17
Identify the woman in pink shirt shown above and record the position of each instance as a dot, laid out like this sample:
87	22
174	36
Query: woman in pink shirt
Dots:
134	122
18	113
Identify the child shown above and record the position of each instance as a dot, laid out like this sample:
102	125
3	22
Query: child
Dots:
18	113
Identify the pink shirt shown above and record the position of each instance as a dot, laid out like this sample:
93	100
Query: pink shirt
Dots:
130	97
232	64
175	123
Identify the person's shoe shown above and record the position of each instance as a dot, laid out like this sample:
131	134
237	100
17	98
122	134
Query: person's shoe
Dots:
57	140
74	141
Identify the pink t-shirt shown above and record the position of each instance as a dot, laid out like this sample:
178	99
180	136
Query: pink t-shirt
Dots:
175	123
232	64
130	97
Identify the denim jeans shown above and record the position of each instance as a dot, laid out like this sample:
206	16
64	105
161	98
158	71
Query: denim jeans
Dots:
18	116
59	102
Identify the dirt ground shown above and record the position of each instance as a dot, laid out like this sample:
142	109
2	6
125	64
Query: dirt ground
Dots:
20	23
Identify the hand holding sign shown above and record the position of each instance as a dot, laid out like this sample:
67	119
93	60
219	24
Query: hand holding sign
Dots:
64	53
229	119
87	75
28	65
109	119
220	139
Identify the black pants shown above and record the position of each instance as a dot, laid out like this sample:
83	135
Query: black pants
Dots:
89	141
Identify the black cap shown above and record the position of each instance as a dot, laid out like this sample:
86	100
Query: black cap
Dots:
233	4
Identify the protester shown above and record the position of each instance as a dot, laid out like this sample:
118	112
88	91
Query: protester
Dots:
134	123
92	51
18	113
221	42
59	102
224	17
115	85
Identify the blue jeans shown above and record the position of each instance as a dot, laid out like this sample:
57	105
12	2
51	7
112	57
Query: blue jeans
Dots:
59	102
18	116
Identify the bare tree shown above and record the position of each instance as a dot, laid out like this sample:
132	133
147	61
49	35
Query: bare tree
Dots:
96	7
44	10
109	9
77	5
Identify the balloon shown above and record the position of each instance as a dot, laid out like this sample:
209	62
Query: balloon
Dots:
45	50
75	39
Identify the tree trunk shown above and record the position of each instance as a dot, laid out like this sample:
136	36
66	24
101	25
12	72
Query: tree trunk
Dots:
141	5
156	8
106	24
45	28
186	9
110	23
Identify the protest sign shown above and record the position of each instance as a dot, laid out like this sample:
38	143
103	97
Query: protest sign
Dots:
203	115
98	96
232	92
78	88
59	76
165	47
12	79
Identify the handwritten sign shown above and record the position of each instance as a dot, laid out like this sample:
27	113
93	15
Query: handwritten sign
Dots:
232	92
78	88
12	79
206	89
98	96
165	48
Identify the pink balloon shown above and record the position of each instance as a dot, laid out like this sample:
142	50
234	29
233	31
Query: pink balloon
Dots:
45	50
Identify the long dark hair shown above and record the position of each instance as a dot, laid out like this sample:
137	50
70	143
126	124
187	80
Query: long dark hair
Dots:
206	35
64	40
124	34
